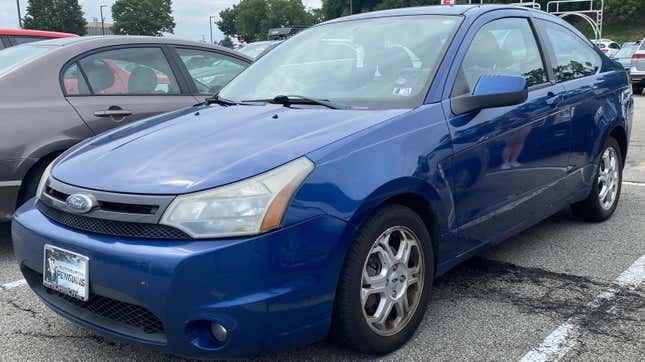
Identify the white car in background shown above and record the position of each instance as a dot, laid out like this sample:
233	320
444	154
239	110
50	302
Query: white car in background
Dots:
637	70
607	46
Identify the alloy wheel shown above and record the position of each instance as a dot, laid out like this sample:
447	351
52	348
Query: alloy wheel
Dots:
392	280
608	178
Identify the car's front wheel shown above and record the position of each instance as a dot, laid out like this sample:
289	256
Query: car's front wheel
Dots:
386	282
605	193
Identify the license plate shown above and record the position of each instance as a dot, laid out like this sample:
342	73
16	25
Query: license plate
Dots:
66	272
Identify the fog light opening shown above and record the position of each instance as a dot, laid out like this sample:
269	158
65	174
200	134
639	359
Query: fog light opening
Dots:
218	332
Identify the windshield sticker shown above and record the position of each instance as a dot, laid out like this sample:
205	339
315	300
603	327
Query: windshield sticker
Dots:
402	91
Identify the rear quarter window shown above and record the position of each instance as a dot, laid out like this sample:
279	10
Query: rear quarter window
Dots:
574	57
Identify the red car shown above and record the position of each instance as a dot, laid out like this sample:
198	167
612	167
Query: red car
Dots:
11	37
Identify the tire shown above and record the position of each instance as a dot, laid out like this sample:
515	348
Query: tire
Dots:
637	89
592	208
350	326
31	180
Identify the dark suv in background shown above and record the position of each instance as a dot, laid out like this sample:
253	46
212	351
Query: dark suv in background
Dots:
56	93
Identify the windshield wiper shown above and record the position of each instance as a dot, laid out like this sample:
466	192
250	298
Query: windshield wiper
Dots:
287	101
219	100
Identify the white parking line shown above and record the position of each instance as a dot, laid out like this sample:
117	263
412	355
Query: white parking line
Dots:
564	338
631	183
11	285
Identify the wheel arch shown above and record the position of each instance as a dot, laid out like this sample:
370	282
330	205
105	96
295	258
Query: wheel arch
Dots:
620	135
411	192
33	169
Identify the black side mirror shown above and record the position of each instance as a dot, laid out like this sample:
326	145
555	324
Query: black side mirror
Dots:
492	91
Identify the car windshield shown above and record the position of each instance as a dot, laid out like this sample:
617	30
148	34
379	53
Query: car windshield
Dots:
627	51
364	64
13	57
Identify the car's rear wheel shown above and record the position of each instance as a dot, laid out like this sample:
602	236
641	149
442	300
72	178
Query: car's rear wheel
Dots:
637	89
31	180
603	200
386	282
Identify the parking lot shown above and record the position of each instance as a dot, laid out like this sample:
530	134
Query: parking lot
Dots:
562	288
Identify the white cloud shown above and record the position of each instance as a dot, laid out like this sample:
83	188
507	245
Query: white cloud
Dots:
191	16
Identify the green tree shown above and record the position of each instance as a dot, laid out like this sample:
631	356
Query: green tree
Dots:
55	15
226	42
251	19
143	17
625	12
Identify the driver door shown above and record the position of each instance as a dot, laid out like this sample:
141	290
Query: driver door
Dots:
509	162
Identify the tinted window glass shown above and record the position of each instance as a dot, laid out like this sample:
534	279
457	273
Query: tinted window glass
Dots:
505	46
129	71
74	82
17	40
374	63
210	71
1	44
574	57
14	57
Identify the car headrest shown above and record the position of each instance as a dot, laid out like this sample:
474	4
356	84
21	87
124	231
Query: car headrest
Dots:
142	81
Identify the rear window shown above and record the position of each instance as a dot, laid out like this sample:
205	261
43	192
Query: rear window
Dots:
12	58
642	46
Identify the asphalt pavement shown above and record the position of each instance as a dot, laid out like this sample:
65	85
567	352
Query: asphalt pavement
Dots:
563	289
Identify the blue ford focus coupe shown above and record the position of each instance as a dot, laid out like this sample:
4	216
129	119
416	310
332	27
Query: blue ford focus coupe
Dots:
322	190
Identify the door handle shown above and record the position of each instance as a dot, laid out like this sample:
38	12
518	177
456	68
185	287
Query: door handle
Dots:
553	99
115	113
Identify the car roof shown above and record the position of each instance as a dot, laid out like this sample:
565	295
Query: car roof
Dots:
465	10
26	32
92	42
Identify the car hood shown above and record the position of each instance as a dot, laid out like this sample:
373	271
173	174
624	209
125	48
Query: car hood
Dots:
203	147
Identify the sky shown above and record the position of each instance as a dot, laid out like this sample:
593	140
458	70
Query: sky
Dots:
191	16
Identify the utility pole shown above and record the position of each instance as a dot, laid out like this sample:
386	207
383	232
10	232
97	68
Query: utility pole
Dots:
350	7
102	19
210	23
19	16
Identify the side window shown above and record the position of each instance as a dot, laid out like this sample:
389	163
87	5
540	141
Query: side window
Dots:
504	46
129	71
210	71
74	82
17	40
614	46
574	58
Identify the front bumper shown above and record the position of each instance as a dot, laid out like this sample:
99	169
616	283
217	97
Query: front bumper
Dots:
271	292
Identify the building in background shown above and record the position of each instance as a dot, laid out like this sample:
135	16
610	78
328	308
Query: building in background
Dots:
94	28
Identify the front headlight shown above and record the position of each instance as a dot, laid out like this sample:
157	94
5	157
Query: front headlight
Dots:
246	207
43	180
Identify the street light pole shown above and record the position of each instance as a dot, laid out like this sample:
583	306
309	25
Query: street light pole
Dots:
19	16
350	7
102	19
210	23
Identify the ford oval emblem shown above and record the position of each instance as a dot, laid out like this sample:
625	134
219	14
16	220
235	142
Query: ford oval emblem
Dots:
80	203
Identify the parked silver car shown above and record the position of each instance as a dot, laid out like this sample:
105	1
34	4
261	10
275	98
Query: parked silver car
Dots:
624	55
637	71
56	93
